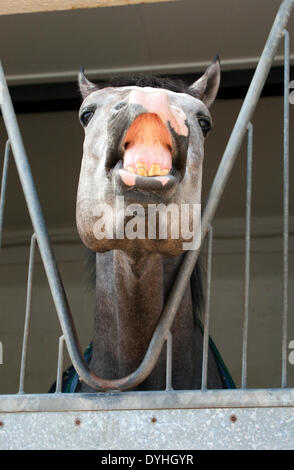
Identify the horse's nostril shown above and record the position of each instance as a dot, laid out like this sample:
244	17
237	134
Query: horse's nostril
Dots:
127	144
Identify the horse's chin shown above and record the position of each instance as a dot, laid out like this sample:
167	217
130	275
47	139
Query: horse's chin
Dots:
135	248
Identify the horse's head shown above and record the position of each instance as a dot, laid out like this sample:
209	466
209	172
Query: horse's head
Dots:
143	147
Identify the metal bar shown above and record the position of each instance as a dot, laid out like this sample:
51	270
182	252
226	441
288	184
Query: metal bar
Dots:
285	209
3	187
215	194
204	429
190	259
169	360
247	255
60	365
40	229
138	400
207	311
27	314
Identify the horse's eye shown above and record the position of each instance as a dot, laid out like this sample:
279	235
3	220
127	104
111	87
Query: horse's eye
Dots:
85	117
205	125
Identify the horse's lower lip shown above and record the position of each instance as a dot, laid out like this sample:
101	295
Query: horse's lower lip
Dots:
126	181
132	179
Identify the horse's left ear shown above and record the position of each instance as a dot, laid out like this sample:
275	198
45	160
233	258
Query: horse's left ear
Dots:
206	87
86	87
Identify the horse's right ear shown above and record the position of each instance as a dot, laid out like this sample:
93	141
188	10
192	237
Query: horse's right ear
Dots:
206	87
86	87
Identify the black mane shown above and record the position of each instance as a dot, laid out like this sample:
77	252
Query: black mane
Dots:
142	80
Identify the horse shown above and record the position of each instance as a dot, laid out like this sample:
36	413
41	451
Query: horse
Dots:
143	146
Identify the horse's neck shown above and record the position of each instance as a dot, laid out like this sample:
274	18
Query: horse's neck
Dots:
129	299
130	294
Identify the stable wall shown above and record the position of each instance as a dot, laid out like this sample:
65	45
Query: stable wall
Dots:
54	144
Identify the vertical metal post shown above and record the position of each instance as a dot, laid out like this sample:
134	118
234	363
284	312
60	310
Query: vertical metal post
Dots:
247	255
60	365
27	315
285	209
207	311
3	187
169	359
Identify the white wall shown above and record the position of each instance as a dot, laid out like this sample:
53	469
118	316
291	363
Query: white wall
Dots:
54	143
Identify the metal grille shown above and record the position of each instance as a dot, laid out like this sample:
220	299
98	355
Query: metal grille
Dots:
168	399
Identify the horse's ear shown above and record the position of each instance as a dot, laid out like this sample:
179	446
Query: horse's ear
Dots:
206	87
86	87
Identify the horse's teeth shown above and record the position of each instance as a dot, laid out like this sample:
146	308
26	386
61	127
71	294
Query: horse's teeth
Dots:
141	169
140	164
141	172
130	169
155	170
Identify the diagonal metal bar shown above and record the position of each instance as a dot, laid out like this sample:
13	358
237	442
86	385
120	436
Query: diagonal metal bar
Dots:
40	229
219	183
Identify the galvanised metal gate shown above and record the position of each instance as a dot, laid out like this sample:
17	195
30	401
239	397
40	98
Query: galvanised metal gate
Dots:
241	418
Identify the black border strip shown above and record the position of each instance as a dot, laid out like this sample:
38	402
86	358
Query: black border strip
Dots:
64	96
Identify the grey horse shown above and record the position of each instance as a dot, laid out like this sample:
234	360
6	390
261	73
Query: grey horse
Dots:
144	147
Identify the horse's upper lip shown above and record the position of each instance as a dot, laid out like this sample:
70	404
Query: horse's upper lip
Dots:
148	146
171	171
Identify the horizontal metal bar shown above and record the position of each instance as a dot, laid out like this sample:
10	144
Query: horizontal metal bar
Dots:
218	429
191	399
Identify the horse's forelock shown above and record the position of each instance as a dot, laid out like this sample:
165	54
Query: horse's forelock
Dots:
152	81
